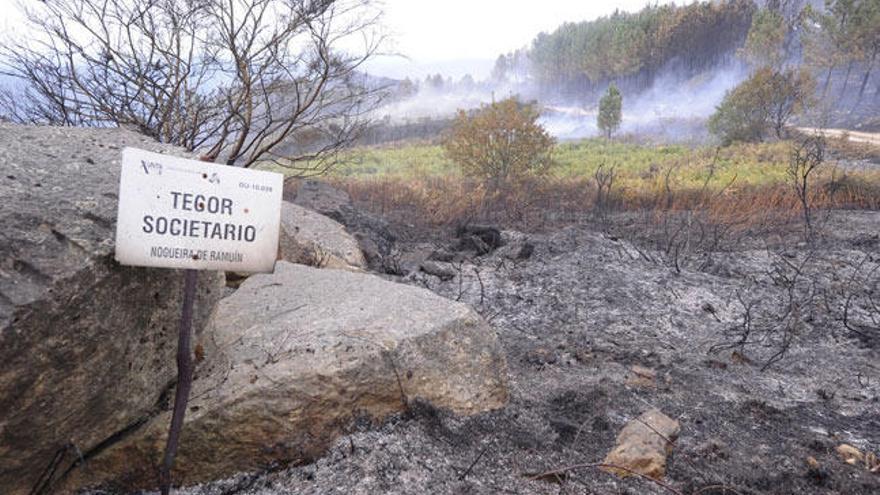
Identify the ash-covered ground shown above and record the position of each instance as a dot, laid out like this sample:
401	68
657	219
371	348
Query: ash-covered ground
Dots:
767	356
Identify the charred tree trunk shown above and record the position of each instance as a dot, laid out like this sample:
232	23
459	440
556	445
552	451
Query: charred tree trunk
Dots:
846	79
867	77
827	81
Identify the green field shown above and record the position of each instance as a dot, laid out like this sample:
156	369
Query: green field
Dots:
637	165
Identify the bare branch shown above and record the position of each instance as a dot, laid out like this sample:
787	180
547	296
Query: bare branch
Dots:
233	79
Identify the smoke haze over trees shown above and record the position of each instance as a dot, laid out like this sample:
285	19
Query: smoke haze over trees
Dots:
674	64
633	49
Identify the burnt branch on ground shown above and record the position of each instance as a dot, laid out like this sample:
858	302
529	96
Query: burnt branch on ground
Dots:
771	324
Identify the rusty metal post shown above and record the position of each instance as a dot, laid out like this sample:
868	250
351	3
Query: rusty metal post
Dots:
184	378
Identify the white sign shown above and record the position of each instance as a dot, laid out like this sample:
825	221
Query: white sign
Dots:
178	213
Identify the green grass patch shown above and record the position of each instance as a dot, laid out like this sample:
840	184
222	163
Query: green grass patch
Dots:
637	165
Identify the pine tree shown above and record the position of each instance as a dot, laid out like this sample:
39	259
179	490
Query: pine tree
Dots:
765	43
610	107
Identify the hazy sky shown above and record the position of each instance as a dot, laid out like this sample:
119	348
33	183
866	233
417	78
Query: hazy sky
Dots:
458	36
454	37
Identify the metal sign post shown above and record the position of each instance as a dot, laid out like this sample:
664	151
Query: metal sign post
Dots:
184	378
178	213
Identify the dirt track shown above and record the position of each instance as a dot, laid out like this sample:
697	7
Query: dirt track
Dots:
872	138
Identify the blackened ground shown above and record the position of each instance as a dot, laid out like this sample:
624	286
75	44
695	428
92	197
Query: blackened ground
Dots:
584	307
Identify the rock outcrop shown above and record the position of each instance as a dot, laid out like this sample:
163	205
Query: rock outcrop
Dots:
321	197
292	358
310	238
372	233
86	346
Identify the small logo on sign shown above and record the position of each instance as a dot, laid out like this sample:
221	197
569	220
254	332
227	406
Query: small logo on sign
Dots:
151	167
215	179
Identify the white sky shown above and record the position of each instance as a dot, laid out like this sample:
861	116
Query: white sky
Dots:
459	36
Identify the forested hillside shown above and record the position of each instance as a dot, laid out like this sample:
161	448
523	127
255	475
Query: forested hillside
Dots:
633	47
844	39
837	40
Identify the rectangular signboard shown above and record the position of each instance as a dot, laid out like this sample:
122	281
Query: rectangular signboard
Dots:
179	213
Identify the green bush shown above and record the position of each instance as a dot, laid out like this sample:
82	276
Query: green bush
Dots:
500	142
764	102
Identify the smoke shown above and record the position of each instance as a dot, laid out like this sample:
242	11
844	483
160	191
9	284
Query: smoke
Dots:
436	103
673	109
443	101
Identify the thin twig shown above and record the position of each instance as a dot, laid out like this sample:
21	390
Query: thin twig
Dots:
605	465
471	467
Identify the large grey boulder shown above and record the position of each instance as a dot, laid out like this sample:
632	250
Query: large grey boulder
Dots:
86	346
292	358
310	238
